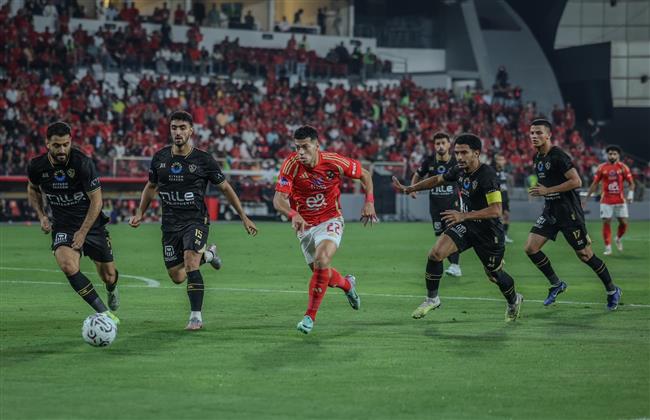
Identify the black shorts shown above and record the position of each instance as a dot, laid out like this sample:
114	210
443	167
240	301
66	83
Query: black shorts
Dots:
489	249
192	238
97	245
576	235
435	211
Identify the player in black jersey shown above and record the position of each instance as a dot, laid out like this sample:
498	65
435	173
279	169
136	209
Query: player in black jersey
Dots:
443	197
179	174
502	176
69	183
478	225
558	184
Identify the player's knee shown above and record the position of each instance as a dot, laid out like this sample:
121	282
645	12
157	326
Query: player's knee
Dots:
69	267
436	255
530	248
109	276
584	254
177	277
322	261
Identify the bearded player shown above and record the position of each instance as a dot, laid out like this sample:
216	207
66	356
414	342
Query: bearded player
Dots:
613	175
307	192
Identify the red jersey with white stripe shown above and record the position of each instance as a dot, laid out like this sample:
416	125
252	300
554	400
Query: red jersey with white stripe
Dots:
314	192
612	175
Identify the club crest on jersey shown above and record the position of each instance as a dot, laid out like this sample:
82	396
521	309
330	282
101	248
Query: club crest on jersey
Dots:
192	168
441	169
59	175
176	168
612	173
70	172
330	174
548	165
474	184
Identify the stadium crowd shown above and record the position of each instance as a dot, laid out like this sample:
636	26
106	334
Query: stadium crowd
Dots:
238	120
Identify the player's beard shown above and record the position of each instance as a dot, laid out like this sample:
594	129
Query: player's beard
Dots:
612	160
180	142
59	157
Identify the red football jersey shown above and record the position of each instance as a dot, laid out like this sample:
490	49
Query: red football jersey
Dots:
314	192
612	176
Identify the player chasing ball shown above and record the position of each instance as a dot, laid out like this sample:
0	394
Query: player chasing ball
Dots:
308	192
179	174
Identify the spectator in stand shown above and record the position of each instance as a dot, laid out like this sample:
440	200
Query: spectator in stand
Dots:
213	16
50	10
199	12
179	15
297	17
320	19
283	25
502	77
249	20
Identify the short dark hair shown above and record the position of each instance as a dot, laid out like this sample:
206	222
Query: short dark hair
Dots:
542	121
469	139
615	147
441	135
182	116
305	132
58	128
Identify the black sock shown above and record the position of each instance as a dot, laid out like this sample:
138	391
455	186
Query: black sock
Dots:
432	277
453	258
507	286
601	270
86	290
111	287
544	264
505	227
195	290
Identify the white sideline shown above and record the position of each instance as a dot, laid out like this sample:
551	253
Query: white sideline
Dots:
248	290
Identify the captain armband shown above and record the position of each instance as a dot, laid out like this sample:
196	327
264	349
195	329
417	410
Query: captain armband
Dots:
493	197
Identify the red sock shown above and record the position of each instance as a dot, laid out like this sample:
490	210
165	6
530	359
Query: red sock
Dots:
337	280
621	230
317	289
607	233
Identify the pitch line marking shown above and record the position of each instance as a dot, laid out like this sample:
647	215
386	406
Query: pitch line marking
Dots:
147	280
244	290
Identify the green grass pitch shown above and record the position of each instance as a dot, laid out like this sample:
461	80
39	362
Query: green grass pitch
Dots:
572	360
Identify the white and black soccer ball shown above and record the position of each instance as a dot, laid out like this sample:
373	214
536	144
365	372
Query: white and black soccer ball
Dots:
99	330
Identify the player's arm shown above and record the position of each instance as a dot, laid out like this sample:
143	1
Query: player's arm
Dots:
630	180
414	180
425	184
233	199
94	209
282	205
593	187
35	198
148	194
368	213
572	182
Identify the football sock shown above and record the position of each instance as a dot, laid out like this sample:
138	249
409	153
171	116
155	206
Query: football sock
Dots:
544	264
432	277
454	258
86	290
622	227
337	280
601	270
506	285
607	233
317	289
195	289
505	227
111	287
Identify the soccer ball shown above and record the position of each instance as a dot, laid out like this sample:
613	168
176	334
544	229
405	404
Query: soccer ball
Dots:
99	330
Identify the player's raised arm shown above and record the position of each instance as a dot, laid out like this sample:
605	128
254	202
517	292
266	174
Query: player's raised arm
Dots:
35	198
425	184
148	194
368	214
232	198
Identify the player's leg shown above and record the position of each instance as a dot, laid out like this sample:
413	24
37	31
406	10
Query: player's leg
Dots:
506	225
622	214
195	288
211	256
606	212
68	260
444	246
439	227
492	259
323	254
109	275
538	236
579	240
99	249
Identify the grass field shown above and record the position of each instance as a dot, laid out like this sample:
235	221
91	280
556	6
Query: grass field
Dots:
572	360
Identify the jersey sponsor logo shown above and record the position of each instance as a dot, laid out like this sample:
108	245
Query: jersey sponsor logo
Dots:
177	198
170	253
613	187
437	225
441	169
315	202
284	182
59	175
460	230
442	190
65	200
318	184
176	168
539	223
94	182
60	238
354	169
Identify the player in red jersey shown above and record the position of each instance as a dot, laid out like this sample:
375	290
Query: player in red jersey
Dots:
308	193
613	175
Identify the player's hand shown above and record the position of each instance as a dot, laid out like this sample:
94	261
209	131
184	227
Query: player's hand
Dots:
399	187
250	227
136	219
368	214
538	191
452	217
583	203
414	194
78	239
46	227
298	223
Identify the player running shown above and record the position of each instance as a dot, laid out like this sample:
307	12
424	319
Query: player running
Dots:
443	197
180	174
478	225
70	183
613	175
502	176
558	184
307	192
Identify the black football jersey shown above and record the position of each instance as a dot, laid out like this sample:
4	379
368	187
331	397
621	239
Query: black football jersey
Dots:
502	177
474	189
563	208
182	181
66	187
442	196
